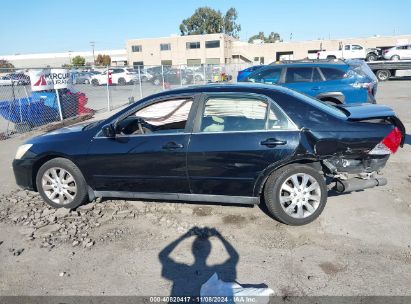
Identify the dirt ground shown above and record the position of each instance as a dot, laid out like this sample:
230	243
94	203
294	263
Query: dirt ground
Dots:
360	245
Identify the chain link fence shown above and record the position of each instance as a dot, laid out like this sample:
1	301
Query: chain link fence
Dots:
93	90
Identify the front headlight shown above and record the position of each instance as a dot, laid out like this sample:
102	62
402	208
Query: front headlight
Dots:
22	150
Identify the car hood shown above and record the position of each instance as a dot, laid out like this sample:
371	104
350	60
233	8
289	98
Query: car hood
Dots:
74	131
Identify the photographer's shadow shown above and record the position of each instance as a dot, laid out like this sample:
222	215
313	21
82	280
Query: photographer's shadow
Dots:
188	279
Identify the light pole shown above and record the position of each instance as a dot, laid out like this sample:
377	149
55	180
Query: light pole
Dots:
93	43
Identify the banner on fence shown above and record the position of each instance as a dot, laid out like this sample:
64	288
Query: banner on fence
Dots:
49	79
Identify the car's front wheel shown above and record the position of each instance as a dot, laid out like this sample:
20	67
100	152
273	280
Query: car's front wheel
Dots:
295	194
61	184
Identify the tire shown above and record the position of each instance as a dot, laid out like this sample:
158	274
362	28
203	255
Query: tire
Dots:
122	82
184	81
383	75
371	57
331	57
316	199
395	57
144	78
95	82
198	78
156	82
61	174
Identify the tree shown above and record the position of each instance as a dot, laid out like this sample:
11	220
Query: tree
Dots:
230	26
206	20
103	60
5	66
272	38
78	61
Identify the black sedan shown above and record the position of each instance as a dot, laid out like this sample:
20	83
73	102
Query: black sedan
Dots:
239	144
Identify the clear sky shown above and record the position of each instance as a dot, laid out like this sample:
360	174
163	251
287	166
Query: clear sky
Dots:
36	26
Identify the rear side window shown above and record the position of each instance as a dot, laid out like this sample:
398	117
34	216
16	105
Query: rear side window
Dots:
233	113
332	74
302	74
269	76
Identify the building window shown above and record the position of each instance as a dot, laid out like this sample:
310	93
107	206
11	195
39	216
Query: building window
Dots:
212	44
136	48
165	47
166	62
193	45
138	64
213	61
191	62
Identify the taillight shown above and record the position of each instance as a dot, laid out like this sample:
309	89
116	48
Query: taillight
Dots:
385	52
389	145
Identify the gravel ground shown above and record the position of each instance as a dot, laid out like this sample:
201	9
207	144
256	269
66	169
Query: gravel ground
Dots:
360	245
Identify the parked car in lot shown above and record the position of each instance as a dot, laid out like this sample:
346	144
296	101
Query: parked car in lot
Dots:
351	51
7	81
337	82
20	78
119	76
240	144
173	76
246	72
398	52
83	77
144	74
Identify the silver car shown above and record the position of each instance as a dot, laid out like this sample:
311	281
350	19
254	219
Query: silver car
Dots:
398	52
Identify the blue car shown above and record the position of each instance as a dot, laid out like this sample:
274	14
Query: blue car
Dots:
336	82
246	72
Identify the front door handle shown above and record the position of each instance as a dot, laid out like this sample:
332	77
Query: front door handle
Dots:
272	142
172	146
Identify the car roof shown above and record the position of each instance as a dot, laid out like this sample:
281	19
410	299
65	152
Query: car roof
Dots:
224	87
338	63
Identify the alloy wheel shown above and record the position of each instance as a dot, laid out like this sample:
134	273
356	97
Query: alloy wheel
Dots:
300	195
59	186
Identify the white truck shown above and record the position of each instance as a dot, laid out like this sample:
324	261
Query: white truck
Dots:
351	51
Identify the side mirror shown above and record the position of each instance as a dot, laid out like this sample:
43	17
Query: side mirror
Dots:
109	131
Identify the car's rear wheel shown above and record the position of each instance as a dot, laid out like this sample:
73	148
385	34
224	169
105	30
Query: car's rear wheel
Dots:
330	57
61	184
122	81
156	81
94	82
296	194
395	57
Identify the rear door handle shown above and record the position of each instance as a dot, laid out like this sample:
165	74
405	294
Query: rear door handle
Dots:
272	142
172	146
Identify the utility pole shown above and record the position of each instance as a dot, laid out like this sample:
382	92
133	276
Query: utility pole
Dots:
93	43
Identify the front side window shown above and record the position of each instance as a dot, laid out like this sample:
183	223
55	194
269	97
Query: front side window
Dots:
356	47
193	45
162	117
231	114
269	76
